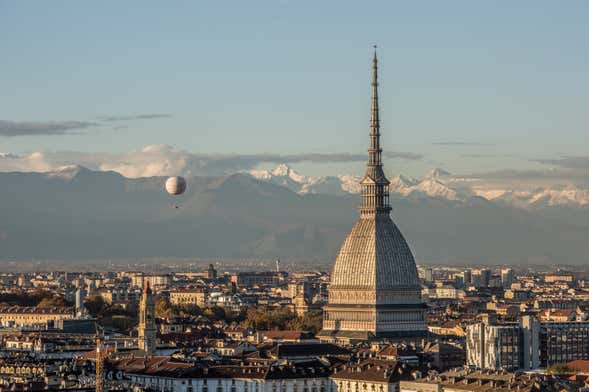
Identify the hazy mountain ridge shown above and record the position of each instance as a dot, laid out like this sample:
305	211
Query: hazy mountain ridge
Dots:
75	213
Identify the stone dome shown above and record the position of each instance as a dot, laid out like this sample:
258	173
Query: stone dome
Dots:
374	255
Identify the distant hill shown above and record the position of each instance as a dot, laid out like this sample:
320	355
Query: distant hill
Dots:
75	213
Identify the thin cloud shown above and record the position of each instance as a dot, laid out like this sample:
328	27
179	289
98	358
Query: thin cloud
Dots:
324	157
164	160
569	162
512	174
57	128
404	155
147	116
487	156
40	128
34	162
463	144
513	179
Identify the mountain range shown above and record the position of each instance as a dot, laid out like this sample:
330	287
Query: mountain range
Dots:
438	183
78	214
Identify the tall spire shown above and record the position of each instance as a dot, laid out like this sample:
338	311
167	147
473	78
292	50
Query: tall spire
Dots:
374	151
375	185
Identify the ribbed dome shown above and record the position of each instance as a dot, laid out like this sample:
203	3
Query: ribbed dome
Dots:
375	255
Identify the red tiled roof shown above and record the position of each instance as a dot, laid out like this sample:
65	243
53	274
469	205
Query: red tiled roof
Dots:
284	335
371	370
91	355
582	365
451	324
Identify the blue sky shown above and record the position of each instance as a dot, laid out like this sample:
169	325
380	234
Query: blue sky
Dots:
470	86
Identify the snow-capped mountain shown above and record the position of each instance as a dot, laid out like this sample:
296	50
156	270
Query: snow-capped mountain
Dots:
438	174
66	172
565	196
403	185
434	183
437	183
542	197
284	175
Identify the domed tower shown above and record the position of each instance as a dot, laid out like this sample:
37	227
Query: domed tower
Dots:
374	292
146	328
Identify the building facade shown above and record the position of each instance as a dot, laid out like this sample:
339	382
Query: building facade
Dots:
30	316
155	280
494	346
529	344
249	279
196	297
158	373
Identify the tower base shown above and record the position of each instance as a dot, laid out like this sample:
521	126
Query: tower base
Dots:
354	337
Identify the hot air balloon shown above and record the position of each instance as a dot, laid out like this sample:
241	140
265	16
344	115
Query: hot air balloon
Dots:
175	185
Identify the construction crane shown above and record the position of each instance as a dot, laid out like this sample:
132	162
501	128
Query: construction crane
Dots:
100	352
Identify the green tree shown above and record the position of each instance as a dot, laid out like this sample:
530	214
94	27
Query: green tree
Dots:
95	305
51	302
186	310
312	321
264	318
214	313
122	323
561	368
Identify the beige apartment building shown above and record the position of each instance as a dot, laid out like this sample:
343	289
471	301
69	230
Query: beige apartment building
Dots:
196	297
30	316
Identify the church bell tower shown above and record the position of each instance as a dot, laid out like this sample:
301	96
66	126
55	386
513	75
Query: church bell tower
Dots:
146	329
